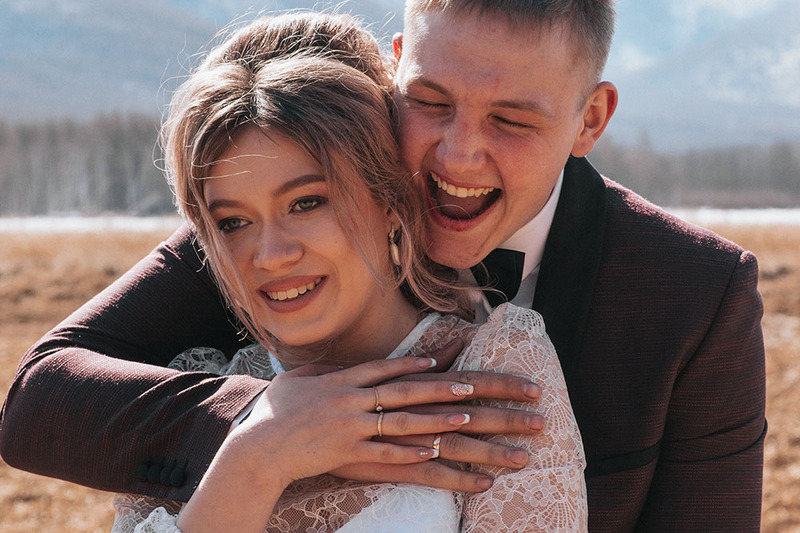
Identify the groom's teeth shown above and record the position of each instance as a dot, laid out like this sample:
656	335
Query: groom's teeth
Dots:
293	293
460	192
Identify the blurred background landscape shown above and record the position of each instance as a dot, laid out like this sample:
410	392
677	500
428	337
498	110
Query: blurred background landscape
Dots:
708	116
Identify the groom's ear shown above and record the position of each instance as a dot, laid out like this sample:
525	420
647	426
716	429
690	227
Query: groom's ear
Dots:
596	114
397	45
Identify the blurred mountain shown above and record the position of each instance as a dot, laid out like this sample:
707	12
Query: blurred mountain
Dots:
740	86
721	82
76	58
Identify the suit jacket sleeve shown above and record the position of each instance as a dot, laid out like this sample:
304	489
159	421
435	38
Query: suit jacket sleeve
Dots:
92	402
708	474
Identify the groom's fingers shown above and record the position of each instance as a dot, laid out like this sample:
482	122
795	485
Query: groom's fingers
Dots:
429	473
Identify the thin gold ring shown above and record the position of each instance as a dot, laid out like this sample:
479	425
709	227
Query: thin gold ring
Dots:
380	424
378	406
437	440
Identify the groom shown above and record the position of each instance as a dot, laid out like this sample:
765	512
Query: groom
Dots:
657	323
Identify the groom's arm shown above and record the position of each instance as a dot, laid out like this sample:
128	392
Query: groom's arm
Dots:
93	404
709	472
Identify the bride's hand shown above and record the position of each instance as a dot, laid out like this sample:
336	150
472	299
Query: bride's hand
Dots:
310	420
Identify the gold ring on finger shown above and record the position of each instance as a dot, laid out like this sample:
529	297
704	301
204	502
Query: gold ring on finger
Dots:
437	440
380	424
378	406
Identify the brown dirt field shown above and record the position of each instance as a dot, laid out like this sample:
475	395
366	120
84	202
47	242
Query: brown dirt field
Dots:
44	277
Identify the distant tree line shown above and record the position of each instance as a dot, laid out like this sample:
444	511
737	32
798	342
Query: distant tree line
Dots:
106	165
112	164
732	177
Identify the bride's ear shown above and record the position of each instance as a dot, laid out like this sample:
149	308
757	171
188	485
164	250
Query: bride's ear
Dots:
393	235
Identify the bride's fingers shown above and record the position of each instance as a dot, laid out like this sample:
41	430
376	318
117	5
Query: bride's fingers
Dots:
404	394
487	384
385	453
373	372
490	420
402	423
461	448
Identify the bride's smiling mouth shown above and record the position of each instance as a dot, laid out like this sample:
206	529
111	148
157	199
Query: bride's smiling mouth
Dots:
293	292
460	203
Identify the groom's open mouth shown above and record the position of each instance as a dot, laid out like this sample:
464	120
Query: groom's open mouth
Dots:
460	203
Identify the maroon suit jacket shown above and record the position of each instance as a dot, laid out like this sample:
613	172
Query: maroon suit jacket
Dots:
656	322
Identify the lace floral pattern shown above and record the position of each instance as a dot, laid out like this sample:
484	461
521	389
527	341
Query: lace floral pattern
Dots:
548	495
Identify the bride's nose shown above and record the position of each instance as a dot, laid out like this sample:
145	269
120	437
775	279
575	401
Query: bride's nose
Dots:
276	249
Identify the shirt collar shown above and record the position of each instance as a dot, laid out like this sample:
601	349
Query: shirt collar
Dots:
531	238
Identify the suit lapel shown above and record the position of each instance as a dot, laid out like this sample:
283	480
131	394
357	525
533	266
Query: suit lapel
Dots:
571	260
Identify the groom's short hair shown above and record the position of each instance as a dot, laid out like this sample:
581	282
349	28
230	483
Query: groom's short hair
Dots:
590	22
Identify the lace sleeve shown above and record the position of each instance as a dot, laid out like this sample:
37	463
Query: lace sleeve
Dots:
549	494
143	514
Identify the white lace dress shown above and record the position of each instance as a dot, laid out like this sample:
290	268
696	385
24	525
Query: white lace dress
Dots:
548	495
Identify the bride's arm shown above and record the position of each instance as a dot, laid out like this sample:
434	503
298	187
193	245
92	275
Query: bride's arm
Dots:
549	493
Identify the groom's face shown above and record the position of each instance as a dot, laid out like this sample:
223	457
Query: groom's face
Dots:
488	118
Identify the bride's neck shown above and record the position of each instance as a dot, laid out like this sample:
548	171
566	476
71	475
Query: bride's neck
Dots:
374	340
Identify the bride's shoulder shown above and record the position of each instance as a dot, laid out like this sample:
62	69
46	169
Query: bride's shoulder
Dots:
521	318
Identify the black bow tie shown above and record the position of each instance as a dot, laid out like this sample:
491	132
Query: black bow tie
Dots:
501	270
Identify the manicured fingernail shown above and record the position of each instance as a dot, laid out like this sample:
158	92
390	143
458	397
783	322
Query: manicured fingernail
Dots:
535	421
532	390
428	453
426	362
484	483
517	456
462	389
458	420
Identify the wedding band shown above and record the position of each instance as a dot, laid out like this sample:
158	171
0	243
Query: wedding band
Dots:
437	440
378	406
380	424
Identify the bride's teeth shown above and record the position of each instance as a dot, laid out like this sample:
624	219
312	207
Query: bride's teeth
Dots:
460	192
293	293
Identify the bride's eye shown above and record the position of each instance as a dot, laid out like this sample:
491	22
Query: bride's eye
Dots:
228	225
305	204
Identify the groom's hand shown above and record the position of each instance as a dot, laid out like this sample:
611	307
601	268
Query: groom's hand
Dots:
462	446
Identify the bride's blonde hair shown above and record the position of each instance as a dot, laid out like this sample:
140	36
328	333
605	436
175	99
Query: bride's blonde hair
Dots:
321	81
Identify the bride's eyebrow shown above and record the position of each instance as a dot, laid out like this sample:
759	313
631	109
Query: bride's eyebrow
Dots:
287	187
298	182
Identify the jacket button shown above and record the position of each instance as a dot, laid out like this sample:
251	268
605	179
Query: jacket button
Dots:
141	471
164	478
177	477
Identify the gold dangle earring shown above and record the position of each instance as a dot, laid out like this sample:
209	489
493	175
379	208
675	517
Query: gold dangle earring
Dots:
394	250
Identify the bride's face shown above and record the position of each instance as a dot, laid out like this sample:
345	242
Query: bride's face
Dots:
309	282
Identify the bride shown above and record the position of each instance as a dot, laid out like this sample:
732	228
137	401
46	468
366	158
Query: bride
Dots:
286	167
